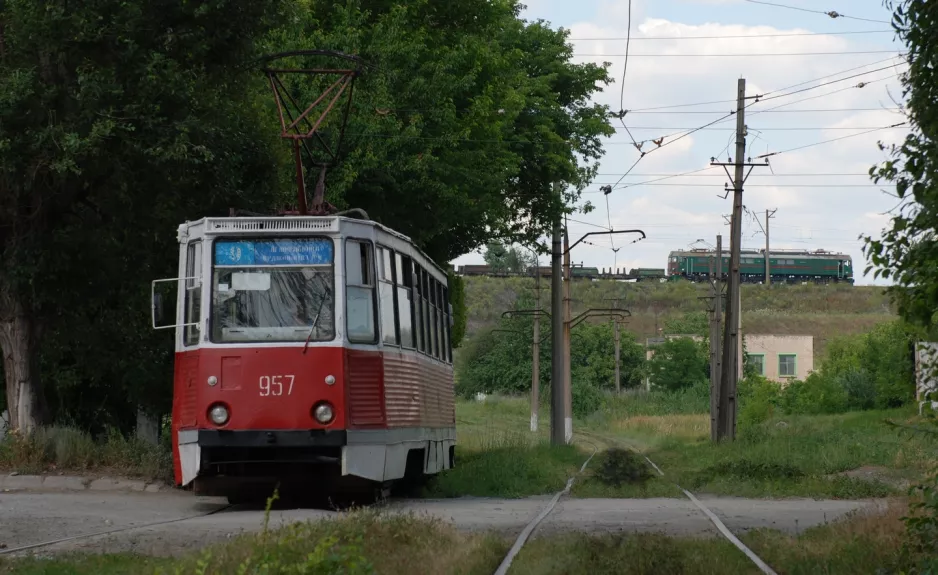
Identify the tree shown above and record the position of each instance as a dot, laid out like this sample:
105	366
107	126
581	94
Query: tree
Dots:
118	120
496	257
465	123
908	249
678	363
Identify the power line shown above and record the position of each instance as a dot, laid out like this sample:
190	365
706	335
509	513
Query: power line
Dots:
832	75
779	111
783	35
742	55
857	174
828	141
763	97
831	13
781	129
750	186
836	81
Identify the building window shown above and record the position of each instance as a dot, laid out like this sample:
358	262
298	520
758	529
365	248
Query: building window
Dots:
360	292
757	362
786	365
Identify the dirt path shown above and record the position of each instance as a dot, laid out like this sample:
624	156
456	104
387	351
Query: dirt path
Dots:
27	518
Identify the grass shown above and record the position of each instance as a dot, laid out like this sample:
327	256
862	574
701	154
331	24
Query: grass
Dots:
821	311
804	456
367	542
861	544
362	542
63	448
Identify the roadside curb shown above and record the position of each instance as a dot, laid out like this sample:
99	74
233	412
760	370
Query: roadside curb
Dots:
14	482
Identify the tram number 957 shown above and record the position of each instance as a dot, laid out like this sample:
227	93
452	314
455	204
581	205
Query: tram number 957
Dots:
275	385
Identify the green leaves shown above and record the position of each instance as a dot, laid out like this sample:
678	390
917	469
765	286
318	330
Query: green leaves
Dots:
907	251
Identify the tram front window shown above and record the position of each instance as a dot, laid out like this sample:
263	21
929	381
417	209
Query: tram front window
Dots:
254	303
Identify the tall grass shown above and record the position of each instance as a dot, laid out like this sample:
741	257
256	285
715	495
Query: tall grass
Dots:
69	449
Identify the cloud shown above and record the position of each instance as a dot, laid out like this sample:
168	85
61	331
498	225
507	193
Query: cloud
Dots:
820	187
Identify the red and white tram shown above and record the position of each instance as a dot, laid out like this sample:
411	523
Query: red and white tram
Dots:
308	349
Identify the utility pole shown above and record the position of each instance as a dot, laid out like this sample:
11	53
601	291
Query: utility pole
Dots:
567	389
557	435
615	327
536	359
716	312
768	276
732	344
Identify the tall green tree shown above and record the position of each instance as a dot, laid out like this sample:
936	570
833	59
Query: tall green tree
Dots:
907	252
117	121
466	122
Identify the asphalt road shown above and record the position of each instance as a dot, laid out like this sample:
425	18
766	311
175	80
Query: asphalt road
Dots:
29	518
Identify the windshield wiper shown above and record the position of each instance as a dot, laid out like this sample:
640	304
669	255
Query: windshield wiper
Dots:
322	302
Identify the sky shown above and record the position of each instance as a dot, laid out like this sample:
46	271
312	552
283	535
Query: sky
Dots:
822	194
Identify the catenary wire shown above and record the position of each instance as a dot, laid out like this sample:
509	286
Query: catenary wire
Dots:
828	141
741	55
831	13
754	36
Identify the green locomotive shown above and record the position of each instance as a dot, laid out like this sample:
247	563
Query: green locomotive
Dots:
785	266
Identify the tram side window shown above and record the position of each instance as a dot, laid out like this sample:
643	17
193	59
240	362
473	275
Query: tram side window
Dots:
386	275
431	313
447	349
193	293
360	292
419	331
404	300
434	315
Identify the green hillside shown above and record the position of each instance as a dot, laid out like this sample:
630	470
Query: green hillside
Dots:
821	311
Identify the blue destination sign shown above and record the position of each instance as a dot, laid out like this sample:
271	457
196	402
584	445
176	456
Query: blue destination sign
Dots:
313	251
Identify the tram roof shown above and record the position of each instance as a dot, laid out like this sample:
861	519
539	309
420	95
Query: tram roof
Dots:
273	225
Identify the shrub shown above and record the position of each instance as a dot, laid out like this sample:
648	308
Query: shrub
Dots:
678	363
621	466
816	395
587	399
758	397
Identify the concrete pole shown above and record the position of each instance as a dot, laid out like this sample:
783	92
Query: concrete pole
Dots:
556	336
567	388
536	358
732	343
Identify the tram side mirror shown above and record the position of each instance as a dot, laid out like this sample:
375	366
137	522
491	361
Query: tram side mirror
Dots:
452	318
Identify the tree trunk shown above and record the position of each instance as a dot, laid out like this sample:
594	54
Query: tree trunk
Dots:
26	401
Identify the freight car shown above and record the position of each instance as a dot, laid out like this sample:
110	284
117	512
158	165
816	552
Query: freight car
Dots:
785	266
646	274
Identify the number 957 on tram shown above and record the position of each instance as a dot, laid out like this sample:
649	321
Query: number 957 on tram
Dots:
310	351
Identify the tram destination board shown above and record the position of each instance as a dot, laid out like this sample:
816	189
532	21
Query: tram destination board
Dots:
267	252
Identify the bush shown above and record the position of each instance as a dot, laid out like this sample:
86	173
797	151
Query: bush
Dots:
587	399
758	398
621	466
679	363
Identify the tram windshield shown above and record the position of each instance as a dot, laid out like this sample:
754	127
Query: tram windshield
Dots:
273	290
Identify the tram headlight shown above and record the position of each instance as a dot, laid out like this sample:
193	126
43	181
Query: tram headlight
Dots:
323	413
219	414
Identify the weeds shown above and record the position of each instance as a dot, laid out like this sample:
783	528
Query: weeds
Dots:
621	466
64	448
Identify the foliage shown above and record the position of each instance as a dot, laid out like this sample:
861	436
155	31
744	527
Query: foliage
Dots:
689	323
618	466
868	371
757	397
907	251
464	123
60	448
509	259
678	363
171	132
